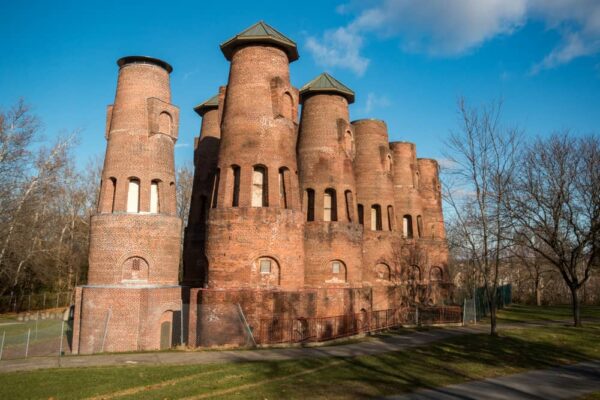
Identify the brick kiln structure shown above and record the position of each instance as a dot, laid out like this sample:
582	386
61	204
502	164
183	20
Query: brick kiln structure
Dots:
290	218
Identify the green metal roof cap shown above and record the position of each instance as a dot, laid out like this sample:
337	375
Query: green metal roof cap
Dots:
261	33
326	83
211	103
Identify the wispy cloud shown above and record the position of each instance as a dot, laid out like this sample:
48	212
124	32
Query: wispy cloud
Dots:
178	145
451	28
374	101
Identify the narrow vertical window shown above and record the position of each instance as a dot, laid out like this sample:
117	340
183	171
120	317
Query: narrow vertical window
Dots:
154	199
283	202
419	226
215	192
287	106
361	214
417	180
164	123
407	228
133	196
111	190
235	200
259	187
310	205
330	205
376	224
349	205
390	215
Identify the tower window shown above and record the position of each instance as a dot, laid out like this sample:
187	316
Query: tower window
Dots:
349	206
235	200
111	190
390	214
310	205
419	226
259	187
376	224
215	192
361	214
164	123
407	228
330	205
335	267
265	266
283	174
154	199
287	106
133	196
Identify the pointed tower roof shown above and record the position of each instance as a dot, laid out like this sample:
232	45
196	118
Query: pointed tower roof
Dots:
261	33
211	103
326	83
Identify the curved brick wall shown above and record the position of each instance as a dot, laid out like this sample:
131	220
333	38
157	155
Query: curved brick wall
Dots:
326	150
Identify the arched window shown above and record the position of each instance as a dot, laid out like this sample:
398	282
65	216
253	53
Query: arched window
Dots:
330	205
287	106
390	214
260	197
376	224
164	123
436	274
215	191
268	271
111	190
419	226
361	214
338	270
133	196
388	163
407	228
417	180
348	142
383	272
235	197
154	198
283	176
173	197
310	205
349	205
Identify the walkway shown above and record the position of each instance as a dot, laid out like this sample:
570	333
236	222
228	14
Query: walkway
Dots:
551	384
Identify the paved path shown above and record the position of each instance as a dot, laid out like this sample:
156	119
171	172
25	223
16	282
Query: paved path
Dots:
375	346
551	384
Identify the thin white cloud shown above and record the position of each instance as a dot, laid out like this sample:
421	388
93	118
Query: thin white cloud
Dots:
374	101
451	28
178	145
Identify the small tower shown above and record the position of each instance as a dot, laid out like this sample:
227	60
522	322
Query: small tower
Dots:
373	169
326	150
135	235
256	225
408	200
206	155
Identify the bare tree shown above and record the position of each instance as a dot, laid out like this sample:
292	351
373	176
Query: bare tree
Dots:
557	207
484	155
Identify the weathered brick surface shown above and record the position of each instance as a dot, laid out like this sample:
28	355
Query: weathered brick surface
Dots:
134	257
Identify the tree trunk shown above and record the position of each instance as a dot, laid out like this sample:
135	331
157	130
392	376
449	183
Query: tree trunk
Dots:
576	306
493	322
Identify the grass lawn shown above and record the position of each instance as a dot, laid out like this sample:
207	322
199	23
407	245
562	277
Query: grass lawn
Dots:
524	313
442	363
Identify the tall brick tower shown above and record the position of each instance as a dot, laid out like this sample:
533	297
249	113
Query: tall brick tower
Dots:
135	235
431	195
206	155
326	149
375	195
256	225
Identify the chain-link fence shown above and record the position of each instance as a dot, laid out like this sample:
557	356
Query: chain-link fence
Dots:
478	307
41	333
34	302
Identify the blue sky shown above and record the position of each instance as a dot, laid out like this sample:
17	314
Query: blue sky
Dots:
407	60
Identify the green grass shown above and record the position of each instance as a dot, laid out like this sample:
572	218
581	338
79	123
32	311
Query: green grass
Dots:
442	363
527	313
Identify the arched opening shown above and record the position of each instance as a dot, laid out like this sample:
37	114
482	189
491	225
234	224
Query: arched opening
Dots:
215	191
338	270
134	269
310	204
173	198
235	197
361	214
390	215
268	271
388	163
133	196
407	229
417	180
164	123
376	224
154	198
383	272
283	177
330	205
436	274
111	190
260	197
348	142
287	106
419	226
414	273
349	205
